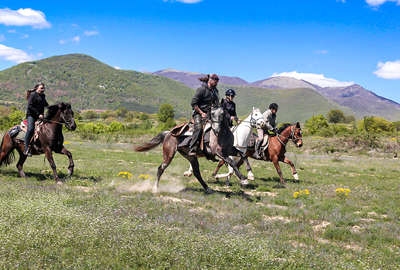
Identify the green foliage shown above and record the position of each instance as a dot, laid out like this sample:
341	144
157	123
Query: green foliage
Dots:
165	112
116	126
121	111
107	114
16	117
316	123
349	119
336	116
374	125
11	118
146	124
143	116
170	123
397	125
89	115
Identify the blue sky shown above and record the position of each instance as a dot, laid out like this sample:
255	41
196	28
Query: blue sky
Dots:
346	41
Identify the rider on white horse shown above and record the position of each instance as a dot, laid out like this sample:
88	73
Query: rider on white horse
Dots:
269	126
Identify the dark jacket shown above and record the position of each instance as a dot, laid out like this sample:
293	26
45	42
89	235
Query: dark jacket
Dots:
205	98
36	104
230	108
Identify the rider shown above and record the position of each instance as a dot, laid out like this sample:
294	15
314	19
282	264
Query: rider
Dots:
205	97
36	104
268	126
229	106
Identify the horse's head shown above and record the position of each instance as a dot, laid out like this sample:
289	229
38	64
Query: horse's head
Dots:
256	118
67	115
296	135
218	118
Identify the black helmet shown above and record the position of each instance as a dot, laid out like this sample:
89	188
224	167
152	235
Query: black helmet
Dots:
273	106
230	92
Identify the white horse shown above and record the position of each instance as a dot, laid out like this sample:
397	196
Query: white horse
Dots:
241	134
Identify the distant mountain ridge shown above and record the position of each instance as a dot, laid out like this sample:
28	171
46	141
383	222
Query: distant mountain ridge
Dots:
360	101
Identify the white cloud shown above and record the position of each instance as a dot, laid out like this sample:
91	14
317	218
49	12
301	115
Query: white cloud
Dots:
76	39
318	79
185	1
90	33
14	55
376	3
24	17
388	70
116	67
321	52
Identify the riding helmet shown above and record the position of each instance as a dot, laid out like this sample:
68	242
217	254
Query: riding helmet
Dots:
273	106
230	92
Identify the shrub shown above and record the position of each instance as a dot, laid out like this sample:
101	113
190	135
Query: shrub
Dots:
122	111
143	116
116	126
170	123
165	112
336	116
373	124
89	115
316	123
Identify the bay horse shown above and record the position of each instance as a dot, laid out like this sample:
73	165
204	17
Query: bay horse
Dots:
220	145
242	133
275	152
50	138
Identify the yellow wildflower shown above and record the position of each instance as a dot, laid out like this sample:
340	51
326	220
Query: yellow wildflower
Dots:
125	175
306	191
144	176
296	194
66	142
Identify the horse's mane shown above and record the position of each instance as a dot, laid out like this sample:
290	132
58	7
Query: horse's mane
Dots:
53	109
283	127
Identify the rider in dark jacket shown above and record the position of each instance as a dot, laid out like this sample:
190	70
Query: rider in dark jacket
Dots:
205	97
230	106
36	104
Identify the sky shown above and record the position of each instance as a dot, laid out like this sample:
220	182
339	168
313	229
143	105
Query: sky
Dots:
326	42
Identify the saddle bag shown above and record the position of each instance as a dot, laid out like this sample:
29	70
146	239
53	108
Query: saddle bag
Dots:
14	131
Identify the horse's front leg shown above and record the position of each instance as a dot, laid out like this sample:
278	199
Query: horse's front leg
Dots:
49	156
71	166
231	163
250	174
294	172
21	161
275	161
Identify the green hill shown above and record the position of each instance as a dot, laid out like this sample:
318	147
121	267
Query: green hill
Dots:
294	104
90	84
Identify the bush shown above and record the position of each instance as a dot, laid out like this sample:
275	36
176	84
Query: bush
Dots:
373	124
165	112
349	119
122	111
143	116
170	123
108	114
116	126
89	115
316	123
336	116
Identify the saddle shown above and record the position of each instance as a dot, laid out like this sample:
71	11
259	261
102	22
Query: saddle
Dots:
185	130
18	132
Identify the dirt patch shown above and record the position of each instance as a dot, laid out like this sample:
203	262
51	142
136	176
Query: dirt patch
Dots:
368	220
277	218
356	229
148	185
353	247
273	206
261	193
321	226
175	200
84	189
297	244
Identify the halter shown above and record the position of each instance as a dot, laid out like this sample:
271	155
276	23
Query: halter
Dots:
291	136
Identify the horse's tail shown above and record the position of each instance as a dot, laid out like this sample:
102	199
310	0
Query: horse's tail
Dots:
153	143
6	158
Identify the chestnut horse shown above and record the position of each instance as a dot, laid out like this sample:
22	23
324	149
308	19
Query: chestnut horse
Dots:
50	139
275	152
220	145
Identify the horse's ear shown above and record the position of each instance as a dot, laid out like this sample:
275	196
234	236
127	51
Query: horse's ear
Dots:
297	125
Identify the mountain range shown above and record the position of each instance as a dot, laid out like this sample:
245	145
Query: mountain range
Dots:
354	98
87	83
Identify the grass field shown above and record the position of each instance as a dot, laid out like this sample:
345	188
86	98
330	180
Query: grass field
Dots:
99	220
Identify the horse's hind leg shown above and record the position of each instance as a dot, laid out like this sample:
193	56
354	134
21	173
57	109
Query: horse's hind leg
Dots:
64	151
294	172
168	155
250	174
220	164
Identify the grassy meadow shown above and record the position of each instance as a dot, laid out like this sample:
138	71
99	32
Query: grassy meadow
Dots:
106	217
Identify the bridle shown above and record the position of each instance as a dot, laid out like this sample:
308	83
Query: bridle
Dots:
291	136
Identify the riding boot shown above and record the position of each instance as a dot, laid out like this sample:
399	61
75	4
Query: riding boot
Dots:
27	151
193	150
257	152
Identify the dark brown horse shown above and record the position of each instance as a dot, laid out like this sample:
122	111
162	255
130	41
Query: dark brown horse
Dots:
220	145
275	151
50	139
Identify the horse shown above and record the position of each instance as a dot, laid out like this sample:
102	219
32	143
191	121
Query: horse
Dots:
241	135
275	152
220	145
50	138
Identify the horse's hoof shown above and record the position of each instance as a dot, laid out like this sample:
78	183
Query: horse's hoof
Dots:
296	176
250	177
187	174
244	182
22	175
209	191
